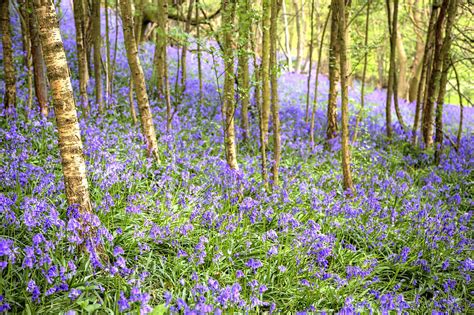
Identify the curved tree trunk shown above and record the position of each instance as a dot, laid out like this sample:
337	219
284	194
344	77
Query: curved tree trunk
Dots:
228	106
79	20
70	144
9	99
138	79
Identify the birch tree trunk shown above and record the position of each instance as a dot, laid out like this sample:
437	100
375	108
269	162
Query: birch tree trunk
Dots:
70	144
138	79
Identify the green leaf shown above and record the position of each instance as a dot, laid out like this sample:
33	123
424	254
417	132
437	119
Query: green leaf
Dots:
92	307
159	310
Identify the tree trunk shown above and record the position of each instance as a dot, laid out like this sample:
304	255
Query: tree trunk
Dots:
348	4
316	80
79	20
310	57
461	109
70	144
275	6
380	67
393	47
108	69
452	8
160	46
426	64
184	49
420	47
287	38
97	56
435	77
133	113
138	79
137	10
299	35
402	69
9	99
265	77
199	54
26	36
334	50
112	67
39	68
364	72
244	78
339	10
391	71
228	106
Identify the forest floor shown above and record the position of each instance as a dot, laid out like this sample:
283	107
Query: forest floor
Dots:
190	234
